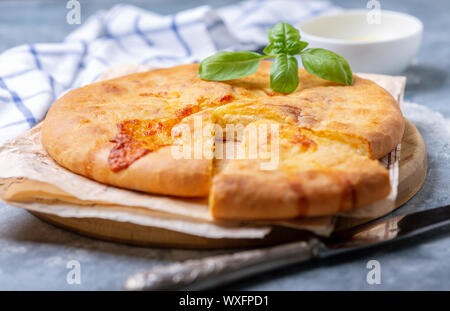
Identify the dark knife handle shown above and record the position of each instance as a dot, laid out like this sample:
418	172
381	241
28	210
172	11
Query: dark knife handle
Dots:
218	270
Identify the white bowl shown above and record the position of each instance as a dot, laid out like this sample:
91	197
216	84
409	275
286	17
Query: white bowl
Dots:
385	47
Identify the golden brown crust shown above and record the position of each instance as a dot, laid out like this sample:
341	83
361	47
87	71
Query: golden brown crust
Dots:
323	176
364	109
314	193
78	129
274	195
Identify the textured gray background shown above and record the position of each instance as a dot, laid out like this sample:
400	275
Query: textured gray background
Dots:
33	254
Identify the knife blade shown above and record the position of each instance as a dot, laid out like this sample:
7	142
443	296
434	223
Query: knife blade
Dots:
209	272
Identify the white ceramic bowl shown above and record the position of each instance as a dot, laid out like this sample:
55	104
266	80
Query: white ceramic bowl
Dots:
385	47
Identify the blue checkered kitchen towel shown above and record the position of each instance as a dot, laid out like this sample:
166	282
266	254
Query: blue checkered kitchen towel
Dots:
33	76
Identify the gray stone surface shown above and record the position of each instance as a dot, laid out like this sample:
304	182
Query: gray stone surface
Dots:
33	254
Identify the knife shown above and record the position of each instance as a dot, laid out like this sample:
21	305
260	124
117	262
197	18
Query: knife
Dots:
209	272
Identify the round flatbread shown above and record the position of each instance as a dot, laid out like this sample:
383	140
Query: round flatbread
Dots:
126	132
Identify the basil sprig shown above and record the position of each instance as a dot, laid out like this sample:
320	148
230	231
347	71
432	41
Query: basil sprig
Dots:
284	43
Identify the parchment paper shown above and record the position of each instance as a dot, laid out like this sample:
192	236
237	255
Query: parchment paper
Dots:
29	178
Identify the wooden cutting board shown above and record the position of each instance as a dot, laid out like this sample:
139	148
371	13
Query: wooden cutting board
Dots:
412	173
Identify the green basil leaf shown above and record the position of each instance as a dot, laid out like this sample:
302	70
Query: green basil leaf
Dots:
296	47
292	47
284	74
229	65
274	48
327	65
283	32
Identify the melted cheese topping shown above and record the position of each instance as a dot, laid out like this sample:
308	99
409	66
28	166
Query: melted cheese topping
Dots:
136	138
